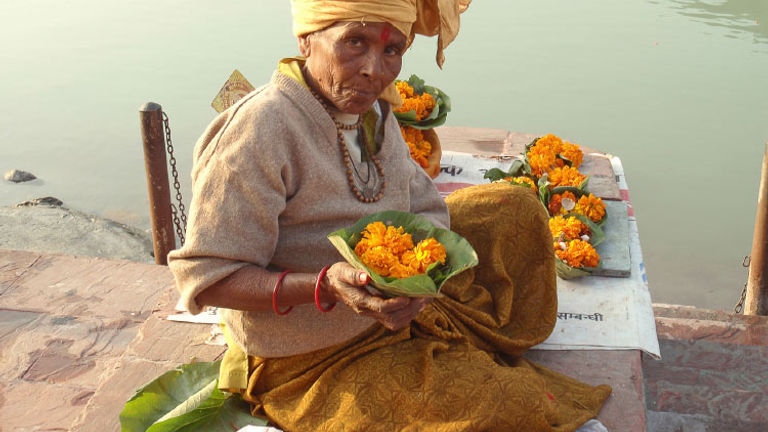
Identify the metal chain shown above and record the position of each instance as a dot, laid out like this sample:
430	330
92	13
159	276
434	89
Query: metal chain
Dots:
740	305
181	224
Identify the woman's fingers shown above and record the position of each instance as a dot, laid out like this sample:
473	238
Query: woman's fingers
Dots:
347	285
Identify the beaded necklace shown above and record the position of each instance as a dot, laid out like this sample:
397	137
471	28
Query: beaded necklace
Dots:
367	190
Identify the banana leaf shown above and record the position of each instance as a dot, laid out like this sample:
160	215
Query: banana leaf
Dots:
186	399
564	271
436	117
460	254
515	170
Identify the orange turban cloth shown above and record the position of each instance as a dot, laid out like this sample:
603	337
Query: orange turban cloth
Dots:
410	17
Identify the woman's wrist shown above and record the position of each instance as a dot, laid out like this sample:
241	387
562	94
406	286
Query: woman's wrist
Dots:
299	288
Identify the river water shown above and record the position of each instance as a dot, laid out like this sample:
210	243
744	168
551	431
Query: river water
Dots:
677	88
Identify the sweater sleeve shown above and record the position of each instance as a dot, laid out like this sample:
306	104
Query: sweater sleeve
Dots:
238	195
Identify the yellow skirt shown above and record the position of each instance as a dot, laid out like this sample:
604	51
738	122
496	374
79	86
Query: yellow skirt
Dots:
458	366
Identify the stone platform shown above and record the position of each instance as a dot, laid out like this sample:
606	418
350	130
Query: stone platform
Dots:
79	335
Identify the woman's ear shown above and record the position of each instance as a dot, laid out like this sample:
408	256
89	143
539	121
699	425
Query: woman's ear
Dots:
305	45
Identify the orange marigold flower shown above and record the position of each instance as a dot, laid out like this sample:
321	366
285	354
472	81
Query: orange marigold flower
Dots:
419	147
555	206
380	259
573	153
404	89
541	159
577	254
422	104
591	207
567	228
565	176
429	251
550	142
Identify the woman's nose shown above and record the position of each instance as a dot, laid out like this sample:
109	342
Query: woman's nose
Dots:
372	67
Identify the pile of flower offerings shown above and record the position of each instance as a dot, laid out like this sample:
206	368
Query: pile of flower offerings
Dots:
550	167
404	253
424	108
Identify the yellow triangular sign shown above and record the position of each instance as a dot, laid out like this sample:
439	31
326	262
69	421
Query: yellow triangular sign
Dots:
233	90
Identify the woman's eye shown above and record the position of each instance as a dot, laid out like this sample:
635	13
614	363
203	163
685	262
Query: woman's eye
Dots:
392	50
354	42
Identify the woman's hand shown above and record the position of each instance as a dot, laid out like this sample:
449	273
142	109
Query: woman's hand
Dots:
347	284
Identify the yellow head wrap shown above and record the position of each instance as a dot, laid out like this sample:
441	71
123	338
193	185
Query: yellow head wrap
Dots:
410	17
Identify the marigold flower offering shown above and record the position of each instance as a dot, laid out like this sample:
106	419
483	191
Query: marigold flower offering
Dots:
543	155
577	253
567	228
390	252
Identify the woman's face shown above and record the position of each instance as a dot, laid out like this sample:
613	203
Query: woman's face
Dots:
350	63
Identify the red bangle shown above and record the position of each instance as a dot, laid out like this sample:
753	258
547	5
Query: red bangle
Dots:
274	294
320	277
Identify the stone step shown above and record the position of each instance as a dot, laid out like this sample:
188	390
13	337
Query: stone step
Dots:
713	375
674	422
691	312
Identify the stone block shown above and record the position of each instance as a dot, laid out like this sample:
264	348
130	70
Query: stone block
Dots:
702	330
488	142
178	342
604	187
674	422
655	370
622	370
65	350
40	406
77	286
103	409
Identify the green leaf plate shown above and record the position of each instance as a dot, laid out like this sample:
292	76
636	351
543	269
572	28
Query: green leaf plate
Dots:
460	254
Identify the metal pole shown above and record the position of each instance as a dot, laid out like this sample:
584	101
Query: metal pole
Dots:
152	133
757	285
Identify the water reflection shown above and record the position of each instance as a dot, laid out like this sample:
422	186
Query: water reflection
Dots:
738	17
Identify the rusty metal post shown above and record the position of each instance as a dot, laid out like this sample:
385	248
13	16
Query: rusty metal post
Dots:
156	166
757	285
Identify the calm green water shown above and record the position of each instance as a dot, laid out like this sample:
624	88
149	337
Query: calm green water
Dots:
678	89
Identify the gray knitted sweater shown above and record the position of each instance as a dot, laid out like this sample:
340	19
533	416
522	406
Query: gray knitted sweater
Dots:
269	184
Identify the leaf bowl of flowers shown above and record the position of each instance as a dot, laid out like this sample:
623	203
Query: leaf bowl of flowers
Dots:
404	253
575	237
424	107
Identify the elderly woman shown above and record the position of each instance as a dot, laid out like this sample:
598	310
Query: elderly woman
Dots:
313	151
